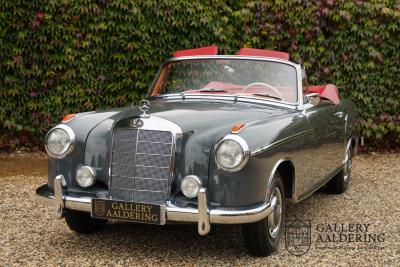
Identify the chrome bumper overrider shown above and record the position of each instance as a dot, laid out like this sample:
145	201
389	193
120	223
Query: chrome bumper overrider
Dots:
203	215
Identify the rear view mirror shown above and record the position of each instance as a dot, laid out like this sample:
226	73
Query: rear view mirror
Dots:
312	99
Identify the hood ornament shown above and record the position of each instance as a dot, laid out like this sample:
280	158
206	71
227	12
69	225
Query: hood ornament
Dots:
144	106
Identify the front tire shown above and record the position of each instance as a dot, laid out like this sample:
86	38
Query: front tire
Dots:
262	238
82	223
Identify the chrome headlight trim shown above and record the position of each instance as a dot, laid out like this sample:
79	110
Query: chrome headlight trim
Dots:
71	135
244	146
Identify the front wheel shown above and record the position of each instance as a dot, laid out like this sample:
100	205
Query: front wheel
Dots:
83	223
262	238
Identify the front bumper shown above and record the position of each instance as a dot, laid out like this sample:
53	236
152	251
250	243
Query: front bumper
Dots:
203	215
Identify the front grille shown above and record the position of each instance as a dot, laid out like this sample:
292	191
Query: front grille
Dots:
140	167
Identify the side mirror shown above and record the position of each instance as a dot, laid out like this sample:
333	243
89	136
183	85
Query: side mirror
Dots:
312	99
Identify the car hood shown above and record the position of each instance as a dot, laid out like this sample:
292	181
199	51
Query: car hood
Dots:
203	124
211	117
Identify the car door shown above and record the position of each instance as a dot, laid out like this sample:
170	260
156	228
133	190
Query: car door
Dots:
327	123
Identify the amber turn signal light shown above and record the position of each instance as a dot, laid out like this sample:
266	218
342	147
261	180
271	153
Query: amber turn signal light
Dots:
68	117
237	127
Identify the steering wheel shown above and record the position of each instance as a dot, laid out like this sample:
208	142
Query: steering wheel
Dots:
263	84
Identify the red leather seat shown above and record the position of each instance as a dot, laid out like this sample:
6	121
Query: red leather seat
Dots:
328	91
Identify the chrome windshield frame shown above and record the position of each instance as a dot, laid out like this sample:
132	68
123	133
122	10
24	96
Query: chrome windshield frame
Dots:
297	105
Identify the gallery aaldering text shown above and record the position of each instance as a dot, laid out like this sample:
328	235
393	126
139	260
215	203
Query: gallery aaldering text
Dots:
347	232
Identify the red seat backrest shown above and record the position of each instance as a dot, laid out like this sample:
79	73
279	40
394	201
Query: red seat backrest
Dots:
262	53
328	91
316	88
202	51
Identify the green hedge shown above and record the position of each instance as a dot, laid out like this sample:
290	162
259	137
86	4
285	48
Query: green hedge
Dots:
59	57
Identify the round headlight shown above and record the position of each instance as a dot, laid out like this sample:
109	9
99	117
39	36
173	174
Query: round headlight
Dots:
190	186
85	176
232	153
60	141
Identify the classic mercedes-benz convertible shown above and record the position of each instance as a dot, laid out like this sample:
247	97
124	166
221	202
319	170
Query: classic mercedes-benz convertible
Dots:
219	139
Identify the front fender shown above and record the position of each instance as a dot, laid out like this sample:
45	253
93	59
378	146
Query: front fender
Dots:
82	126
269	142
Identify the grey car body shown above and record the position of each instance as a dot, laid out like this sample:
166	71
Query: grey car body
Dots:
306	142
312	144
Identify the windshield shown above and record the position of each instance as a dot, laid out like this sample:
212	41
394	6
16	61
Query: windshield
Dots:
251	78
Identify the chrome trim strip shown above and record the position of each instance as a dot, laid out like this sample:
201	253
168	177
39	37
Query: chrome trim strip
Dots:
142	190
237	215
144	178
154	142
279	142
149	166
149	178
142	153
146	166
231	98
163	155
135	156
127	140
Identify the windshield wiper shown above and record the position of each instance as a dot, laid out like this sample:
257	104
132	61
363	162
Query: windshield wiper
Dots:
267	95
214	90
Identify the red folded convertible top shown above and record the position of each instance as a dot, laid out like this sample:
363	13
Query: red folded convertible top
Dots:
213	50
202	51
263	53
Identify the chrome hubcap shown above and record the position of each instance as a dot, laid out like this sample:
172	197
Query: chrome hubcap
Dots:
274	219
347	166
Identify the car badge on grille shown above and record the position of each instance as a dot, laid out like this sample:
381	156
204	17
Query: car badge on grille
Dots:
136	123
144	106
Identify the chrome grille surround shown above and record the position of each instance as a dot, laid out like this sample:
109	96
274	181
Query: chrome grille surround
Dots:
142	160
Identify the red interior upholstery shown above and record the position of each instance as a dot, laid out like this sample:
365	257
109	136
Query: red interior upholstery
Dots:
262	53
202	51
328	91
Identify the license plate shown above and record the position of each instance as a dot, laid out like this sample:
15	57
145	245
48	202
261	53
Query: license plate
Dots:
128	211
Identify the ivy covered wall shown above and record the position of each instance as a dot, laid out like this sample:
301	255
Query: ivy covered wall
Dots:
59	57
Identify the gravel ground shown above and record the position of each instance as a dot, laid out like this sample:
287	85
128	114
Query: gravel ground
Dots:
29	235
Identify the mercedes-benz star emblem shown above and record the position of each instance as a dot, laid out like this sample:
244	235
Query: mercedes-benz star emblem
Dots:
144	106
136	123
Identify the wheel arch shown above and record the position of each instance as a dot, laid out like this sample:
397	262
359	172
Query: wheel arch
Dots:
286	170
